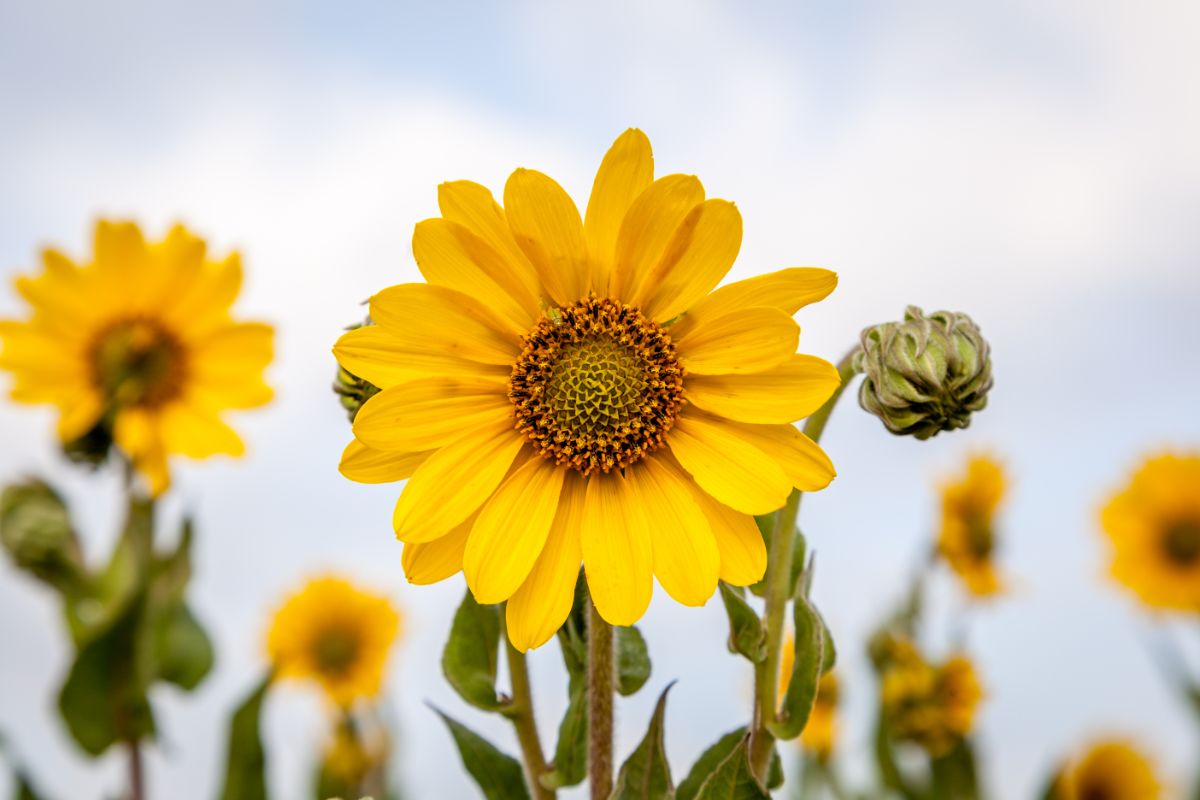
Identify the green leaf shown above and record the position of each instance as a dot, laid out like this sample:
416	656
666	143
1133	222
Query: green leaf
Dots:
470	656
36	530
800	579
572	636
954	774
246	760
733	779
646	775
184	651
766	524
570	754
806	671
103	699
828	649
500	776
775	770
633	660
708	762
746	632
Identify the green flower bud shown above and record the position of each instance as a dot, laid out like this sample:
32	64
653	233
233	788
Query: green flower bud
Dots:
35	529
925	374
352	390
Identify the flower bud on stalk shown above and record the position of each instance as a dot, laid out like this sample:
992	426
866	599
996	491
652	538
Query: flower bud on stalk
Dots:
352	390
35	528
925	374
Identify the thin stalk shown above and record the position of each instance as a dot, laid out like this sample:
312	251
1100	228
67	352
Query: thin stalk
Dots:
778	590
137	789
520	711
600	704
137	779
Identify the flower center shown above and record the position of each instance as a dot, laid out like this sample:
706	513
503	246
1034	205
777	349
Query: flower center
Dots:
137	362
1181	542
981	541
335	651
597	387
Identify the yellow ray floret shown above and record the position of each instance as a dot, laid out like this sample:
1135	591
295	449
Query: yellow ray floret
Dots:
570	389
967	539
138	346
335	634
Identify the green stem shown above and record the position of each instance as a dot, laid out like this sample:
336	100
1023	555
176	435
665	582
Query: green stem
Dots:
778	591
600	704
520	711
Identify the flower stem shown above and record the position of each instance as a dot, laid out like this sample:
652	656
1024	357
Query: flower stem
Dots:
600	704
137	789
521	714
778	592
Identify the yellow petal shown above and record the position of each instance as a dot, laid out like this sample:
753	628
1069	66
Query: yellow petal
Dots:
743	551
686	561
80	416
747	340
206	304
137	433
785	393
541	605
375	355
627	169
726	466
429	562
788	290
648	227
440	320
802	459
544	221
617	555
511	530
430	413
225	367
454	482
198	433
473	207
364	465
700	254
450	255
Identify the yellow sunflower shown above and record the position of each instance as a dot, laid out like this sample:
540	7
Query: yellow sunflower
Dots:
138	346
1110	769
568	390
1154	527
932	705
337	634
967	539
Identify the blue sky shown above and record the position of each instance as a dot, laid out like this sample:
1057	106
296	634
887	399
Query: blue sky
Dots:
1031	163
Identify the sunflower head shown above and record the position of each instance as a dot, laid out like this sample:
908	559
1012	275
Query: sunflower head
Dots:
336	634
1153	525
967	538
1109	770
932	705
137	348
925	374
570	388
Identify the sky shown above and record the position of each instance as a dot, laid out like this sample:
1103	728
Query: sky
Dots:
1034	164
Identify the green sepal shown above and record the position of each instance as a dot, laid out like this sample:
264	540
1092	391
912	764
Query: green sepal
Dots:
646	775
747	635
732	778
570	754
806	672
633	660
766	526
471	654
498	775
246	758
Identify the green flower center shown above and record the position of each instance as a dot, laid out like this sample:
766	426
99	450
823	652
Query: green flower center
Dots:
335	651
137	362
597	387
1181	542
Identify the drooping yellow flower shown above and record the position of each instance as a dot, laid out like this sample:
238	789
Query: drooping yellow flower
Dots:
138	346
932	705
1110	769
967	538
1154	527
337	634
568	390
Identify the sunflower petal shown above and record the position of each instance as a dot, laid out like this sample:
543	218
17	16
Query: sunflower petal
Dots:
375	355
726	466
198	433
788	290
701	252
805	463
627	169
648	228
430	562
686	560
781	394
743	551
441	320
617	555
364	465
430	413
747	340
473	207
546	225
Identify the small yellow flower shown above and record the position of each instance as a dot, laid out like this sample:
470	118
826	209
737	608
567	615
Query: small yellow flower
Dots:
931	705
967	539
1110	769
570	389
334	633
138	346
1154	527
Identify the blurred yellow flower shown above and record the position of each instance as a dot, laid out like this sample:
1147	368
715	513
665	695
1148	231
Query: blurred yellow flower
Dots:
932	705
138	346
1112	770
337	634
820	732
565	389
1154	527
967	538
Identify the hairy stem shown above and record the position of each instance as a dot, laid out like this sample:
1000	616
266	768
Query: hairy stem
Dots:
778	591
600	704
521	714
137	790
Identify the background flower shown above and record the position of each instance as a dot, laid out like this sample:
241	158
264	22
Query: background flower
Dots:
967	538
